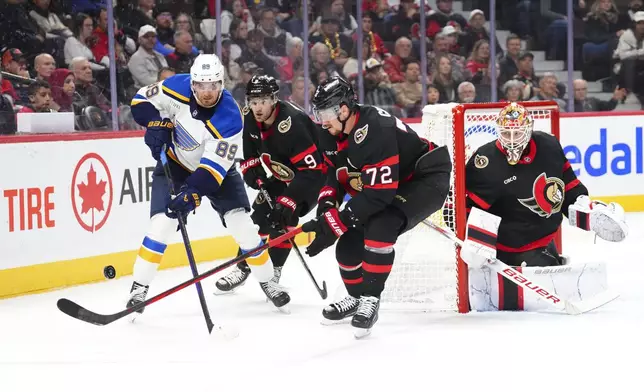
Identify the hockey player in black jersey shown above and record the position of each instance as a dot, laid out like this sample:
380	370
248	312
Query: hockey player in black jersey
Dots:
525	178
396	179
283	138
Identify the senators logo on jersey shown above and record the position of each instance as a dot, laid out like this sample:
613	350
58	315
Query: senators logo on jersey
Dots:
351	181
279	170
548	196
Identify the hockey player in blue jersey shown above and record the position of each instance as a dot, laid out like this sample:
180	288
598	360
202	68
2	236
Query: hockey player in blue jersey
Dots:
202	125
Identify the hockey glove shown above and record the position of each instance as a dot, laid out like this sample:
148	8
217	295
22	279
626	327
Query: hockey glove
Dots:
328	228
282	212
157	134
326	200
183	203
606	220
252	171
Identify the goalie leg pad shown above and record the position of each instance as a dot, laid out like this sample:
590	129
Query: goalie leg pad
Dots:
152	249
245	233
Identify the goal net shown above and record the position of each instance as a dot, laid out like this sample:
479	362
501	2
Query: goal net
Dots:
428	273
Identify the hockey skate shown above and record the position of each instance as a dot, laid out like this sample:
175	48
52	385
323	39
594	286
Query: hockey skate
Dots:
138	292
339	312
235	279
366	316
277	295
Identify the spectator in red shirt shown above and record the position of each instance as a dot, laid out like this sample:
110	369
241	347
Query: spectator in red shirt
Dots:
394	64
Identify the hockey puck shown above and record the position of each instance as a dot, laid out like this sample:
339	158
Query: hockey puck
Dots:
109	272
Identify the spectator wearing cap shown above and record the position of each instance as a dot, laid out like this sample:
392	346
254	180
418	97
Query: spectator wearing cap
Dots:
14	62
409	92
548	91
584	103
508	63
254	54
452	33
274	37
347	24
373	39
63	87
377	89
474	32
78	44
165	29
329	34
133	18
145	63
630	52
39	98
444	13
394	64
7	109
182	57
247	70
525	74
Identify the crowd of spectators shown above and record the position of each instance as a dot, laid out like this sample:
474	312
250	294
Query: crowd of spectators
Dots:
55	53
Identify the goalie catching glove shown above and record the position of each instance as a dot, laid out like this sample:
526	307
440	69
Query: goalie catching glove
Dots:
606	220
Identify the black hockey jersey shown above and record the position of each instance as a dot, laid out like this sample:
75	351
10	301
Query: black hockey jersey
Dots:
288	148
530	196
380	152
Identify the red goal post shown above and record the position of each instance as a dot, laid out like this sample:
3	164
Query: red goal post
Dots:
428	273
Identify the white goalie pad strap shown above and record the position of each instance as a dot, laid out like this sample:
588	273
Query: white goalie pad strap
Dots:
481	235
606	220
571	282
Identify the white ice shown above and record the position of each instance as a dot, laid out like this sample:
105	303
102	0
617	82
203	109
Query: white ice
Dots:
168	349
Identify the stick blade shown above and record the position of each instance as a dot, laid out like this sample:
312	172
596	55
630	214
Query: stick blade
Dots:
585	306
324	294
78	312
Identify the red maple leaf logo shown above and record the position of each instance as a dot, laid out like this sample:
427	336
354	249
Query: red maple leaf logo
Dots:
92	193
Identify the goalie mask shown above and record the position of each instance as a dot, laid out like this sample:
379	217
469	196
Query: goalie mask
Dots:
514	126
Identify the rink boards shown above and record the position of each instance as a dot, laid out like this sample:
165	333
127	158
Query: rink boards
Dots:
73	204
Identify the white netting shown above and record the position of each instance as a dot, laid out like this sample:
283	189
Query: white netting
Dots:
425	273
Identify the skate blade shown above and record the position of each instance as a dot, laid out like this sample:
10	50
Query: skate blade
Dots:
330	323
218	292
284	309
360	333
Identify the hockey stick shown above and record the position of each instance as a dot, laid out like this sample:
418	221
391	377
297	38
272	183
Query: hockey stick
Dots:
516	277
76	311
322	291
186	242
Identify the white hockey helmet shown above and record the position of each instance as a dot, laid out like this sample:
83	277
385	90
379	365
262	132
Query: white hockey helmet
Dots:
207	74
514	128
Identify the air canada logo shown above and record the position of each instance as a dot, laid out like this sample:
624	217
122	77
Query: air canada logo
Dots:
548	196
91	192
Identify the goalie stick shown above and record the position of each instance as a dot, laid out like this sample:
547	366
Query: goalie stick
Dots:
186	241
78	312
322	291
516	277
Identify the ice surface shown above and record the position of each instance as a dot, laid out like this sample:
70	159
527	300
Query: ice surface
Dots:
167	349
